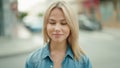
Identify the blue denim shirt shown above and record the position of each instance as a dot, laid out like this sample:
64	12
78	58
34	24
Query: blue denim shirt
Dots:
41	59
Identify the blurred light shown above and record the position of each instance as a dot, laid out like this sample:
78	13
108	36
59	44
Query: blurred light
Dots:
25	5
23	33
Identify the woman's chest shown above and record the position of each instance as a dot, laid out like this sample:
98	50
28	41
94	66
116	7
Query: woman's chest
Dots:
64	64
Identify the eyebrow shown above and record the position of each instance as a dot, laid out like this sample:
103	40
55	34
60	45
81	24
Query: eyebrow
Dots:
51	19
54	20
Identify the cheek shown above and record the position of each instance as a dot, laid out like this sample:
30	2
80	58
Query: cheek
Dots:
49	29
67	31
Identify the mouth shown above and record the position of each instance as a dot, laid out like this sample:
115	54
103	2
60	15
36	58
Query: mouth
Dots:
57	35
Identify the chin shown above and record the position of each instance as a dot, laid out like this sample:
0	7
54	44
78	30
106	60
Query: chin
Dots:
58	40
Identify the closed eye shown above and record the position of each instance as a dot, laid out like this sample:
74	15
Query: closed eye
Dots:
52	23
63	23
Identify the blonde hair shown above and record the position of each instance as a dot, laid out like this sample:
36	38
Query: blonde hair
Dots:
71	21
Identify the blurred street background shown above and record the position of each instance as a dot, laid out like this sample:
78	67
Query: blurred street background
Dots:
21	30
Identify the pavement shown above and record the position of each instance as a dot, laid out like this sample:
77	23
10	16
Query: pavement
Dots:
102	47
10	47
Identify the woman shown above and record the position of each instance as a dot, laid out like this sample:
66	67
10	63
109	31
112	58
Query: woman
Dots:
61	33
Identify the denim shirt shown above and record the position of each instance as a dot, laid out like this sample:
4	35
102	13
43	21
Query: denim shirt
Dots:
41	59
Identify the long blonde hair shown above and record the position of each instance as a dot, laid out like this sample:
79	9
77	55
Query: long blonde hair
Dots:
71	21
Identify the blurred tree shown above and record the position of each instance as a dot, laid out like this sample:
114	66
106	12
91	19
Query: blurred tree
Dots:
40	14
22	15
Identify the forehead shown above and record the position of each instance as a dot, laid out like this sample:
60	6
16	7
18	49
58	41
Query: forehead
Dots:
56	13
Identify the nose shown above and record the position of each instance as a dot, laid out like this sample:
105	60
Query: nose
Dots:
57	27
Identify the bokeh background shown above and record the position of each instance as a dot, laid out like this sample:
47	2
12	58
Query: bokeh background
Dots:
21	23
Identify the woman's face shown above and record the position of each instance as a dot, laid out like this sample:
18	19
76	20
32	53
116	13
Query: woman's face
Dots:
57	27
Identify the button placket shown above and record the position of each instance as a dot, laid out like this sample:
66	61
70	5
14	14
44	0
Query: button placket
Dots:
51	66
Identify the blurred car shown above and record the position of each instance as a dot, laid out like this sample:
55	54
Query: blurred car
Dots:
33	23
87	23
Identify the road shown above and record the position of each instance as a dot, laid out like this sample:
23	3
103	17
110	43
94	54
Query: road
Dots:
15	61
102	48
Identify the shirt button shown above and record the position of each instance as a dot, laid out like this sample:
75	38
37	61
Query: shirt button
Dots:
51	66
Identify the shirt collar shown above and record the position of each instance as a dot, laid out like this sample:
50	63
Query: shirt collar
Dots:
69	52
46	51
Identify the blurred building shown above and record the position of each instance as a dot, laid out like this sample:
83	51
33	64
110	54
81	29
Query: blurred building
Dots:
8	18
9	13
106	11
1	18
110	13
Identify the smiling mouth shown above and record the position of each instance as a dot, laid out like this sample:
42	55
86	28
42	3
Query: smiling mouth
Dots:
57	35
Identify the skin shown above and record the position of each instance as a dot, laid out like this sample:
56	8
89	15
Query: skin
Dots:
58	31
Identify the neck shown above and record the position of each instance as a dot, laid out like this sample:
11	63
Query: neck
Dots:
58	46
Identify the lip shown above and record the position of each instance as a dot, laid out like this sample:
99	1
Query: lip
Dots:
57	34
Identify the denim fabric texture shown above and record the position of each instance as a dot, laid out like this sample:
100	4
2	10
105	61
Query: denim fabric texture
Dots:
41	59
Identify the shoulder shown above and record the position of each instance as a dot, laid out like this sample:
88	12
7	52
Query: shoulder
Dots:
35	55
33	58
38	53
84	59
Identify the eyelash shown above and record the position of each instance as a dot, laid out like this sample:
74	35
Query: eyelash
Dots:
64	23
53	23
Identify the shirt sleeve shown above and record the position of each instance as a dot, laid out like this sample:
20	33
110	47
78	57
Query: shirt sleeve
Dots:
88	63
33	58
29	63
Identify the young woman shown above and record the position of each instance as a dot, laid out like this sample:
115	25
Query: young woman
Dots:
61	33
